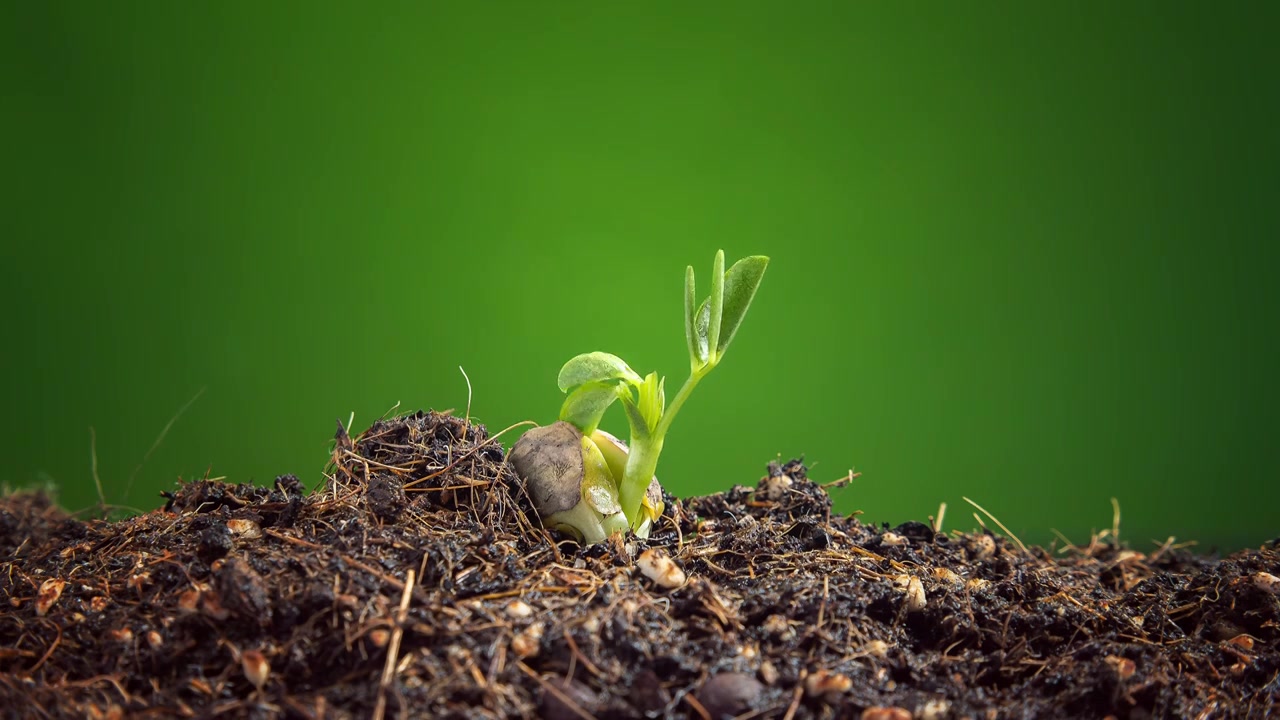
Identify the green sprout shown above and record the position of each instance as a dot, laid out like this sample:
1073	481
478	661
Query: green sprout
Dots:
590	484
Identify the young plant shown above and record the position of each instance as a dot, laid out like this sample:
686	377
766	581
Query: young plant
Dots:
585	481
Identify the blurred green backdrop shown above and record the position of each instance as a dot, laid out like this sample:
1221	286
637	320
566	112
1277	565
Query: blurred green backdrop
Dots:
1023	252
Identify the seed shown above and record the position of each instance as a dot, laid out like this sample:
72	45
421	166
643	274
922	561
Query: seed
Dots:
774	487
528	642
154	639
245	528
768	673
947	576
519	609
776	625
50	591
1267	581
892	538
984	546
1123	667
660	568
123	635
379	637
936	709
1244	642
877	648
256	668
914	589
827	685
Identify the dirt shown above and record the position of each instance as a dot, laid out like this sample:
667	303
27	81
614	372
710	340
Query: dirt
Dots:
416	583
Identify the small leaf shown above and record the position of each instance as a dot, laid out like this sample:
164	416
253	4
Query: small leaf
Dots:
701	325
717	303
586	405
639	423
662	397
595	367
651	400
690	305
740	285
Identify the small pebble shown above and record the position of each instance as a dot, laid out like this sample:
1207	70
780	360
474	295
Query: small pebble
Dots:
729	693
566	700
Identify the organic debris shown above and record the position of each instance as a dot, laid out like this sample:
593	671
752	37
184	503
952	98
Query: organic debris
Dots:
417	582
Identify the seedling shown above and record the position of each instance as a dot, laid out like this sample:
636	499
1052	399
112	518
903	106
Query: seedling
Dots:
590	484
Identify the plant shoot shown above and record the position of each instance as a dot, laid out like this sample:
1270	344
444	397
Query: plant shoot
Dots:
590	484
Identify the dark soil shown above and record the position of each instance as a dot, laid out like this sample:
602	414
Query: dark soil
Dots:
415	583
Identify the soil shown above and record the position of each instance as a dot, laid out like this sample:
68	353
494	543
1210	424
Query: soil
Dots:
416	583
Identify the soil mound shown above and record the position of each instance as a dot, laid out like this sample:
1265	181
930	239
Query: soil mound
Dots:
416	582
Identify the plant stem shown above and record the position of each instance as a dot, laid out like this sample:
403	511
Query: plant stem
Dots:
642	460
685	390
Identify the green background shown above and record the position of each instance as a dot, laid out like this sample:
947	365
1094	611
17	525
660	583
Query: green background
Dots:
1022	252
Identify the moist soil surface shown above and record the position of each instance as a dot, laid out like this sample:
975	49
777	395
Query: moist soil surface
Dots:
416	582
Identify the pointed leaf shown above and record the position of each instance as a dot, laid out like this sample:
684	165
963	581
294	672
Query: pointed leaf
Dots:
595	367
740	285
690	306
701	326
586	405
662	397
651	400
639	423
717	303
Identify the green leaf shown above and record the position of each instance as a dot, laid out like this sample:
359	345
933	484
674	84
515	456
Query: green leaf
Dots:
740	285
717	303
595	367
635	417
586	405
701	326
652	400
690	307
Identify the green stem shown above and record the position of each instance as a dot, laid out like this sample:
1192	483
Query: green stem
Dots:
694	376
642	460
